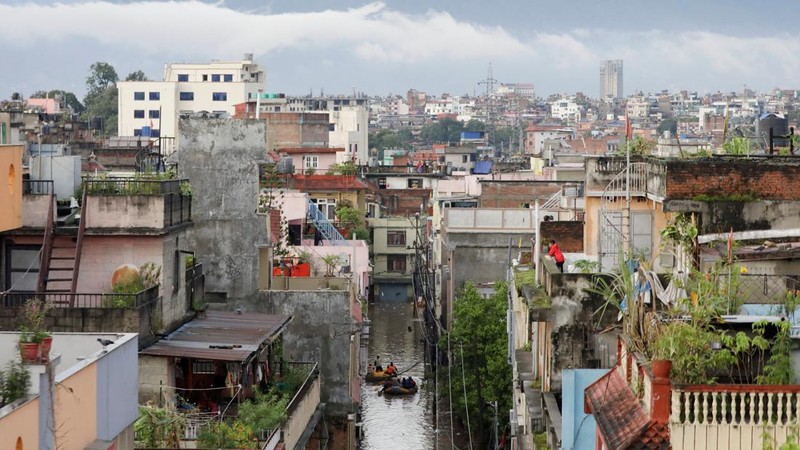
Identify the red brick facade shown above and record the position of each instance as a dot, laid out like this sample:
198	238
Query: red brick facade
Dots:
568	235
759	179
515	194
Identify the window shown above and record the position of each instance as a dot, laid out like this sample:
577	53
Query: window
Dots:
203	366
396	263
183	77
327	206
396	238
311	161
153	114
155	96
205	77
22	269
138	96
137	131
219	96
215	78
464	158
331	127
415	183
138	114
155	132
187	96
228	77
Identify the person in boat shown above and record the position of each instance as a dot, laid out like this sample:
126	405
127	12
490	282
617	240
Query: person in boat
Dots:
377	366
391	369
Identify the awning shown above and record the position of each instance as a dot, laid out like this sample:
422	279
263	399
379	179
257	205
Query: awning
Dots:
220	336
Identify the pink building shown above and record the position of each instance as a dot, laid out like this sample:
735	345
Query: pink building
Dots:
316	159
47	105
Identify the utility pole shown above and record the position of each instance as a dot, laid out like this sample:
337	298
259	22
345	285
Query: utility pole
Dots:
488	102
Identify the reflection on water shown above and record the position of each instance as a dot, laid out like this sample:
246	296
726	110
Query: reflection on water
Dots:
396	422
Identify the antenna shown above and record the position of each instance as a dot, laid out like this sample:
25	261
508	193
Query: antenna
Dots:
489	109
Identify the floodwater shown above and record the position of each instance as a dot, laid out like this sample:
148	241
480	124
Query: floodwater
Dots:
396	422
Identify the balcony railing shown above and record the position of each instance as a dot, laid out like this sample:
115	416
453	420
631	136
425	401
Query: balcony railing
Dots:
132	186
720	416
177	209
764	289
80	300
37	187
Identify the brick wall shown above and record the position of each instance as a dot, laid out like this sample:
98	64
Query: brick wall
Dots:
505	194
774	179
568	235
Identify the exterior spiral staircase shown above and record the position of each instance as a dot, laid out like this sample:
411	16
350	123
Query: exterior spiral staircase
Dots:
614	216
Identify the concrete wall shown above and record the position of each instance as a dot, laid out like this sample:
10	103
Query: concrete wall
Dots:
11	186
127	211
35	210
220	158
154	373
21	426
720	216
320	331
575	323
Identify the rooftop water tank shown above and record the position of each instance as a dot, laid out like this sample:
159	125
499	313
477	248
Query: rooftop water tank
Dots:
780	127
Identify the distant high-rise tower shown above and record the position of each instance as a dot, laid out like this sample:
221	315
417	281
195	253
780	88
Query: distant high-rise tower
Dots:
611	79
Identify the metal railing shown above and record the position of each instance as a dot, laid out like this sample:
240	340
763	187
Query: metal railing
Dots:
95	300
329	232
177	209
312	372
37	187
762	288
131	186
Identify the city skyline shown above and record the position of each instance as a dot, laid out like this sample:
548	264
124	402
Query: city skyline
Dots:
383	48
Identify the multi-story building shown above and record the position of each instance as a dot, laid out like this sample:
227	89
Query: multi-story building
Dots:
151	108
611	79
565	109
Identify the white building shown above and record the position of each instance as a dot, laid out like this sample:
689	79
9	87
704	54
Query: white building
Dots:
152	107
439	106
348	130
565	109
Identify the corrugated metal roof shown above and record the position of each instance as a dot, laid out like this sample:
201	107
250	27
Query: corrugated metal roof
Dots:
221	336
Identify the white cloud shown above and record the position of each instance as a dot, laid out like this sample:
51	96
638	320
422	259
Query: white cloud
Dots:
372	32
369	44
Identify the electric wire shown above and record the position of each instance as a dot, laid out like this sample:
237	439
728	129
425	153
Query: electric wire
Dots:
464	385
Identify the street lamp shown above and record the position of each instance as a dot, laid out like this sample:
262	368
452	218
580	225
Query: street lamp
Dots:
493	405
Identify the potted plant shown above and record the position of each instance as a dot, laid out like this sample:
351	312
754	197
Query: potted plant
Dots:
303	266
35	342
332	262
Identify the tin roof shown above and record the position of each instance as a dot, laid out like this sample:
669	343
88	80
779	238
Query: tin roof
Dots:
220	336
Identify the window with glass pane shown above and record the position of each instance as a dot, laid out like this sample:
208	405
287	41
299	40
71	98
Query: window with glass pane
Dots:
396	238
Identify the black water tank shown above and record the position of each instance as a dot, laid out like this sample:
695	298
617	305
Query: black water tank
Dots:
780	127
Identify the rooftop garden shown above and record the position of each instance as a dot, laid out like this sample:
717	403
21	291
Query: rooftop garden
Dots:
696	331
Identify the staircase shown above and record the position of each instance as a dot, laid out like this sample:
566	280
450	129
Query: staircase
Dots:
61	257
148	160
614	220
325	227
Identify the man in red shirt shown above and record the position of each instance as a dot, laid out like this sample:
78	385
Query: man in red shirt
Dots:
555	252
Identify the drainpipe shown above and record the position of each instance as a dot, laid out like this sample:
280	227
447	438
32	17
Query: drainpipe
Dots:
258	104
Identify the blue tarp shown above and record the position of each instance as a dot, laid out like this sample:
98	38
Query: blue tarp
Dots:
482	167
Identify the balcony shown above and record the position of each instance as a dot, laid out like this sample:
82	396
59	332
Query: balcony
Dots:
302	413
138	312
128	204
724	416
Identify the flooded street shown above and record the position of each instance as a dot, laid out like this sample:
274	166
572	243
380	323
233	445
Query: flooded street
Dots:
397	422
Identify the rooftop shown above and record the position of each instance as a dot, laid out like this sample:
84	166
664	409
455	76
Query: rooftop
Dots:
221	336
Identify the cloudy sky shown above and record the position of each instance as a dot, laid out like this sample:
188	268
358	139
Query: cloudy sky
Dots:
388	47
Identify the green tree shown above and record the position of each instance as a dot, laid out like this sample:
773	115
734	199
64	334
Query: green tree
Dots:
68	98
479	334
442	131
101	96
503	138
137	76
474	125
670	125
